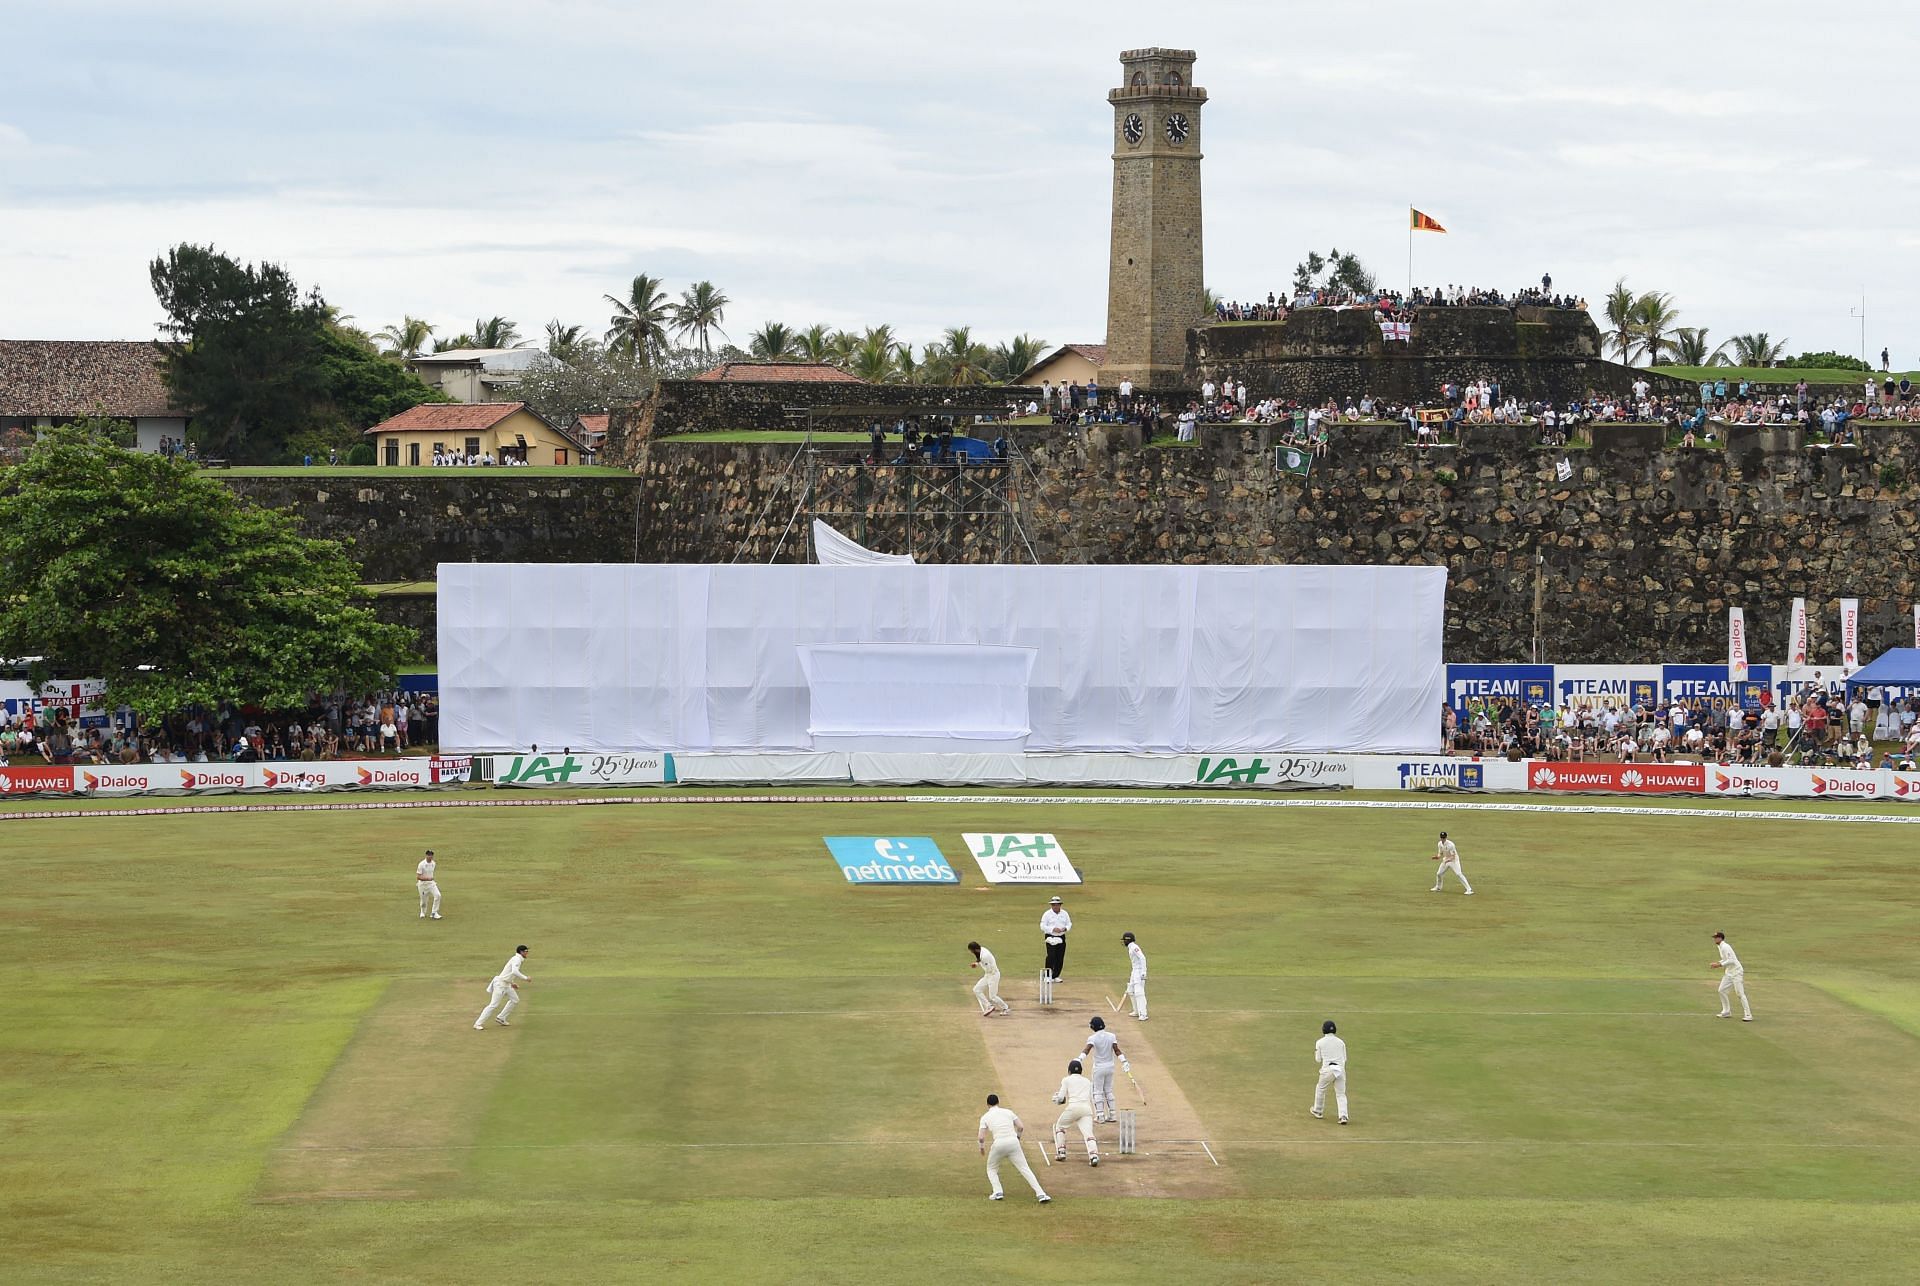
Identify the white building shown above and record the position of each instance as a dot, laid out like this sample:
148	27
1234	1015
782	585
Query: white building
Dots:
47	382
477	374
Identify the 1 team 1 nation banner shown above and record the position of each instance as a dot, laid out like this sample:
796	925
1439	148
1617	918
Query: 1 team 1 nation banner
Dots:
1618	779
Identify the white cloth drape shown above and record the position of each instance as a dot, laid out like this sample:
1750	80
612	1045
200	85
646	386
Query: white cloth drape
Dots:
1170	658
835	550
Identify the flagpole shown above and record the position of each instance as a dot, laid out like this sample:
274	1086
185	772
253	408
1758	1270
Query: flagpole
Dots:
1409	250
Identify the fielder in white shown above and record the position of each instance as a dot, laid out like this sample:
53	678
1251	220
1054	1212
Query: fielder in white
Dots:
429	888
1331	1053
1733	978
987	990
1000	1132
1449	858
1104	1048
1076	1091
503	993
1136	976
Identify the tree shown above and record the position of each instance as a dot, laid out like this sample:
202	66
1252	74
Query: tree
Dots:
1827	361
597	379
1653	318
638	326
1619	310
407	338
139	570
907	368
567	343
1011	360
957	359
840	347
701	309
1337	271
243	349
814	344
773	342
1691	348
873	362
1757	349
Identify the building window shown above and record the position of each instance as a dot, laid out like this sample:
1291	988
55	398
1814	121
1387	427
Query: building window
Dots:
1173	78
393	451
413	454
473	447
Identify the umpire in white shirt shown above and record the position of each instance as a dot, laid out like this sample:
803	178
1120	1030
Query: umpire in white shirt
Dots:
1055	924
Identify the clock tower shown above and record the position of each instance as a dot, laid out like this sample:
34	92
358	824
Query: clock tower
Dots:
1155	286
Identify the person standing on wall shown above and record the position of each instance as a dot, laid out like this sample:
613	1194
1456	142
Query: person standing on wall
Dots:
1055	924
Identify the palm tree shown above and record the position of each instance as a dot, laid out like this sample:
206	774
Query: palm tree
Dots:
907	366
407	338
1010	360
840	347
873	361
701	309
1209	304
638	327
494	332
1757	349
1653	319
1690	348
773	342
1619	306
815	343
957	359
566	343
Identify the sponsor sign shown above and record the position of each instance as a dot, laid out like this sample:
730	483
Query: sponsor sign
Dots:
1797	633
890	859
1020	859
1619	686
1626	779
1737	644
32	781
1273	770
1850	633
1903	786
135	779
636	768
1712	682
450	768
1799	783
1443	774
1532	684
80	698
215	776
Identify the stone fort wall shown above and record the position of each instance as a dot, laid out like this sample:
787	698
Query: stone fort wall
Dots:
1638	554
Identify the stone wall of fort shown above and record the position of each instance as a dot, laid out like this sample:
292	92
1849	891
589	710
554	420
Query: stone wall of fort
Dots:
1636	557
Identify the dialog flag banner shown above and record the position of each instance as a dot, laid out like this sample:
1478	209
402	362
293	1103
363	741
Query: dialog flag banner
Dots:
1850	633
1797	633
1737	644
1424	222
1293	460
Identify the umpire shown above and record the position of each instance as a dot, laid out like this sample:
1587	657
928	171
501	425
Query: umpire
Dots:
1054	926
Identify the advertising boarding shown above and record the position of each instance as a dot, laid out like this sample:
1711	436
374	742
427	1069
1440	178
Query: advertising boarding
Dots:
1600	687
80	698
1799	783
890	859
1713	683
1247	771
1619	779
1020	859
638	768
1531	684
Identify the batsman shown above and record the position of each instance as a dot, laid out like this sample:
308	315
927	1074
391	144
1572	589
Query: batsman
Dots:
1136	977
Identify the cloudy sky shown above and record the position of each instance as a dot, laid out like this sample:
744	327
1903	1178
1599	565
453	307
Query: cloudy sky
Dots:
933	165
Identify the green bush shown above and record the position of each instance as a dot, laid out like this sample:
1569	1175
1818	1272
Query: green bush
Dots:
1445	475
362	453
1828	361
1892	477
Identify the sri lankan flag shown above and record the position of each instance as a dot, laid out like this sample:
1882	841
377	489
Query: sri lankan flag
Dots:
1425	222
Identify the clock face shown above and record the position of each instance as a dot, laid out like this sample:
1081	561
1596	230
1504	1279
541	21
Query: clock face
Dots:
1177	128
1134	128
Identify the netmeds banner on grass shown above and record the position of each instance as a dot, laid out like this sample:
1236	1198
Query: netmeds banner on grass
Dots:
1531	684
890	859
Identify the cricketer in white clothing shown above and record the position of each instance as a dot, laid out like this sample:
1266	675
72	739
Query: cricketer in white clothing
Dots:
503	993
1331	1053
1449	858
1000	1133
429	889
987	990
1104	1047
1136	976
1733	978
1076	1091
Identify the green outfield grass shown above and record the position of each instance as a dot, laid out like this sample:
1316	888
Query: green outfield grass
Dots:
234	1053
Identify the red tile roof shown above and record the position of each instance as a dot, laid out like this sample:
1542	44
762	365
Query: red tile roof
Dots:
778	373
56	377
470	416
595	425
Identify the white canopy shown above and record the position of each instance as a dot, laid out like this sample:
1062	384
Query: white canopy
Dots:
833	549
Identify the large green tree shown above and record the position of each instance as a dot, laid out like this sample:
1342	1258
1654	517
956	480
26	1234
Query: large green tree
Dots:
698	315
142	571
639	323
